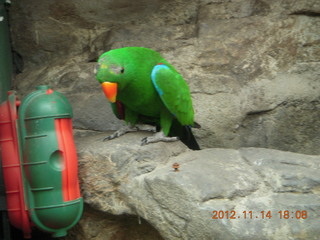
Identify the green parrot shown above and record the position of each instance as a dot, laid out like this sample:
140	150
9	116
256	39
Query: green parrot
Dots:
144	88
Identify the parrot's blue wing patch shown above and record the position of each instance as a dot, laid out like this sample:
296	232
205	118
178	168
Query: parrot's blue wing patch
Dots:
174	92
153	77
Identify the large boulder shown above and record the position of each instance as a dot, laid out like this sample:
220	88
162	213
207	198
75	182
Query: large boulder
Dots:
250	193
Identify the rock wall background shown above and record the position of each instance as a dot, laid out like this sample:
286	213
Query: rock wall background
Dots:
252	65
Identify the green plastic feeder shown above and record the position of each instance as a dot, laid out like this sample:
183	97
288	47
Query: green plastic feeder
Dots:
50	161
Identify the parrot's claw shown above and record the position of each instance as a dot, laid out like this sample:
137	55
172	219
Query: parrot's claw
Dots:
158	137
125	129
116	134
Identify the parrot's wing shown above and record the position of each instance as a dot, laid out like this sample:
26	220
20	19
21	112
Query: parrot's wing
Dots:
174	93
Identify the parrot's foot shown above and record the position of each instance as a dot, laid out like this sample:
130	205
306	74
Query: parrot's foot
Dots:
158	137
125	129
146	127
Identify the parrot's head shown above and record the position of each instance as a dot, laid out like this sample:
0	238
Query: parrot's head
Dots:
111	72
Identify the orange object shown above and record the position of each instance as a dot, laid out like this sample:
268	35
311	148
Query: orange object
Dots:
110	90
176	166
10	153
70	184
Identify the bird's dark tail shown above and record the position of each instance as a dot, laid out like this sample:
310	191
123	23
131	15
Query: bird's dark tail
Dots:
185	135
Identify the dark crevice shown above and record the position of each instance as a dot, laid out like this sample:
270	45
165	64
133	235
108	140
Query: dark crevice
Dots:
306	13
18	63
258	112
263	111
94	59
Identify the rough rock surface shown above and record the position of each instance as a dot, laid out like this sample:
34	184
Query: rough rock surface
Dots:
120	177
252	65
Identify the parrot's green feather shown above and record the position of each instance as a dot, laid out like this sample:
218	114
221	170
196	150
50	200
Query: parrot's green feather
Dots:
166	121
149	88
174	93
131	116
115	110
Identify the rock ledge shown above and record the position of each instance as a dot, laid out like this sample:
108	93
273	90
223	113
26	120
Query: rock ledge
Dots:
121	177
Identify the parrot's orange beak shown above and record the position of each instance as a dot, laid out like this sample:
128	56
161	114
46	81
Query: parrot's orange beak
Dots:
110	90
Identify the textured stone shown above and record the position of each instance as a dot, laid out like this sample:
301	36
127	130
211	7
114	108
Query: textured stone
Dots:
127	162
252	65
121	177
101	226
291	172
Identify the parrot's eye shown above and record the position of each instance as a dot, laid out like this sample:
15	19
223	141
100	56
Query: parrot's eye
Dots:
114	69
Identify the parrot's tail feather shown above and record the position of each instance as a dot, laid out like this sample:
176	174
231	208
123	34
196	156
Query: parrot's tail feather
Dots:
196	125
189	139
185	135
